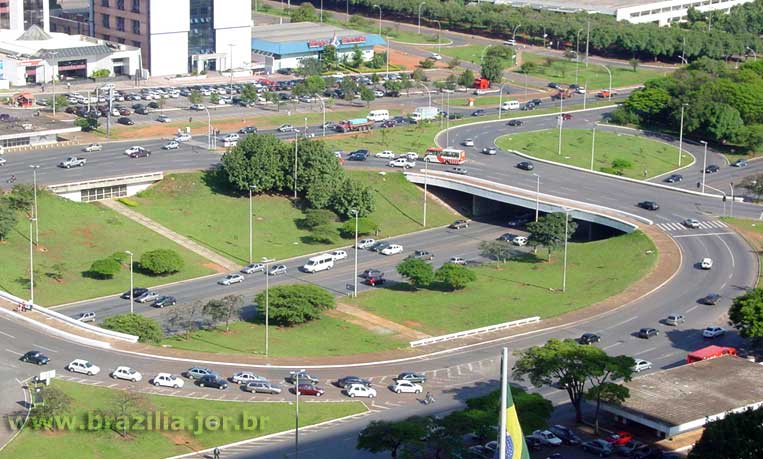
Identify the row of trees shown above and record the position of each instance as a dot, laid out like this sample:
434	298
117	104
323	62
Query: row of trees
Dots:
421	274
157	262
721	104
267	163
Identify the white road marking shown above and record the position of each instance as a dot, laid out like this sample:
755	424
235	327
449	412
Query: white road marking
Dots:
612	345
692	308
13	352
46	348
6	334
704	234
733	262
621	323
645	351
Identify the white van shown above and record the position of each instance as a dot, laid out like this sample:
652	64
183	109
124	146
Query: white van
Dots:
378	115
318	263
510	105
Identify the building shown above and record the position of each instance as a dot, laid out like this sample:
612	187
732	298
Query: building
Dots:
179	36
283	46
70	21
22	14
636	11
685	398
36	56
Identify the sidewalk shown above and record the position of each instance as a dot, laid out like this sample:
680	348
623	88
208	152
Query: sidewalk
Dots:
222	263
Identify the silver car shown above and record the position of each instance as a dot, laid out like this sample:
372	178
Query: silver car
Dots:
253	268
277	269
262	387
146	297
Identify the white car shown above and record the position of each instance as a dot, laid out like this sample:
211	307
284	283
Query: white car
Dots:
184	137
366	243
83	366
2	161
691	223
231	138
713	332
706	263
386	154
285	128
580	90
359	390
405	163
171	145
245	377
641	365
126	373
468	142
435	56
547	437
392	249
134	149
521	241
163	119
253	268
378	93
231	279
93	147
338	255
167	380
406	387
457	260
411	155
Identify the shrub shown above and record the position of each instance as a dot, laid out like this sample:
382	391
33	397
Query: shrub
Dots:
317	217
149	330
418	272
105	268
365	226
161	261
621	164
455	277
426	64
295	304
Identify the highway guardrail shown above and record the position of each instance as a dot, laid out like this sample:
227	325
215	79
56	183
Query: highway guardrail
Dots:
474	331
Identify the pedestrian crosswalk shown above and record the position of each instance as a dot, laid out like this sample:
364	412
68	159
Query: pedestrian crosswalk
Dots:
679	226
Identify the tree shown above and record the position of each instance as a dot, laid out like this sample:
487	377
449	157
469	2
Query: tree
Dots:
365	226
223	309
323	234
147	329
549	231
258	160
125	406
214	98
754	184
352	195
735	436
367	95
87	123
296	304
303	13
57	402
393	86
310	86
451	82
746	314
249	92
382	436
497	250
426	64
195	97
328	56
317	217
634	63
528	67
21	197
8	219
466	78
649	102
310	66
348	87
607	392
572	366
453	63
161	261
492	69
357	57
418	75
454	277
418	272
722	121
105	268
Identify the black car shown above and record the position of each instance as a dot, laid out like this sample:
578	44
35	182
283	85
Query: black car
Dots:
711	169
526	166
649	205
153	105
379	246
142	110
455	116
375	279
143	153
531	442
356	157
371	272
422	255
35	357
412	377
514	123
521	220
648	453
528	106
646	333
164	301
136	292
535	102
248	130
674	178
565	434
589	338
479	112
304	378
212	381
710	299
389	124
554	85
126	121
344	382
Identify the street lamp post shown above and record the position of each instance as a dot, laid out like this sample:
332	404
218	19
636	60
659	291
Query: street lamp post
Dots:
610	80
210	133
296	149
514	34
566	237
447	123
537	196
426	180
561	120
230	69
754	54
380	17
251	222
35	215
500	101
323	107
132	300
296	419
439	35
577	55
267	309
321	11
731	212
429	93
681	135
31	262
355	277
704	164
593	144
420	5
53	54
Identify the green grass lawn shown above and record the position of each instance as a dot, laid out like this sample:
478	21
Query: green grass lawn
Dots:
316	338
72	236
752	232
190	206
519	289
148	444
594	77
467	53
651	156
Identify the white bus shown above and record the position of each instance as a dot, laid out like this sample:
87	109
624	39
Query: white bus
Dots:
318	263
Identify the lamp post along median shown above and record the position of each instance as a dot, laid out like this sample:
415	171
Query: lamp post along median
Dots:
31	262
296	147
251	222
426	180
35	214
593	144
132	300
420	5
355	270
704	164
566	238
681	135
267	309
537	196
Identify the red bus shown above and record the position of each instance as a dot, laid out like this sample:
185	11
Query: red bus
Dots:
445	155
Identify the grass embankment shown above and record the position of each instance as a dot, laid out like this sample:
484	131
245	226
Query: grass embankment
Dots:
520	288
189	205
752	232
72	236
468	53
76	443
593	78
656	158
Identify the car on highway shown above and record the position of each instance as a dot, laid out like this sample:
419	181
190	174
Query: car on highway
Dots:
35	357
459	224
127	373
93	147
262	387
514	123
171	145
712	169
547	437
740	163
163	118
713	332
2	161
598	447
248	130
458	170
411	376
619	438
405	163
86	317
479	112
520	241
214	381
126	121
566	116
347	381
140	154
231	279
198	107
468	142
435	57
286	128
457	260
674	319
366	243
360	390
302	376
589	338
407	387
338	255
565	434
526	166
706	263
641	365
136	292
83	366
647	332
276	270
198	372
375	279
422	255
386	154
252	268
379	246
392	249
134	149
147	296
553	85
183	137
231	137
691	223
245	377
649	205
309	389
674	178
710	299
508	237
72	161
489	151
167	380
164	301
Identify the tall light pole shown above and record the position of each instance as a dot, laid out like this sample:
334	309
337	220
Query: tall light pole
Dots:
439	35
447	123
704	164
31	262
537	195
296	148
426	180
132	300
731	212
500	101
429	93
593	144
35	215
566	238
53	54
514	34
267	309
355	277
380	17
321	11
210	134
251	222
681	134
323	107
610	80
230	69
420	5
577	55
561	120
587	41
296	419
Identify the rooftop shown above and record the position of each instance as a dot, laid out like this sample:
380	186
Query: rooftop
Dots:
304	37
36	43
695	391
600	6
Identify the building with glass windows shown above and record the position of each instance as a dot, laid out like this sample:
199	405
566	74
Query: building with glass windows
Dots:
23	14
179	36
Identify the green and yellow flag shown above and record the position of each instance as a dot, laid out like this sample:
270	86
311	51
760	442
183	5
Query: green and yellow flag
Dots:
515	441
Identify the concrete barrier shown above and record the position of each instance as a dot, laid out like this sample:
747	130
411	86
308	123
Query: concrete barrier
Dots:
474	331
55	331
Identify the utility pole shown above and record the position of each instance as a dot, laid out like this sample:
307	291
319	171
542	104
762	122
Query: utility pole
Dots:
587	41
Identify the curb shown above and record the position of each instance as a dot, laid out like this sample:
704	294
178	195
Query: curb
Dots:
449	43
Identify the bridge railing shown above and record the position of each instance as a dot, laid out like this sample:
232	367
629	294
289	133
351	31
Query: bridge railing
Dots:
474	331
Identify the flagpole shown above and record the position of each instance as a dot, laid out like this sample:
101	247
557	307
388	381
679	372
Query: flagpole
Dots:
504	402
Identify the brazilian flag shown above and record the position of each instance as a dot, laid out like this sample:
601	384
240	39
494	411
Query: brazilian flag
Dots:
515	441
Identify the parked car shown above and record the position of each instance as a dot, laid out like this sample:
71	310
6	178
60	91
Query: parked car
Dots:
641	365
126	121
547	437
309	389
253	268
198	372
276	270
713	332
459	224
565	434
360	390
526	166
212	381
164	301
619	438
457	260
245	377
407	387
167	380
710	299
83	366
302	375
674	319
231	279
347	381
589	338
411	376
262	387
630	448
521	220
598	447
163	118
35	357
646	333
127	373
392	249
649	205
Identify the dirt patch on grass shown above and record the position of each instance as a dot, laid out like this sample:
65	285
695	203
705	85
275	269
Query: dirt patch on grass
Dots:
183	439
214	266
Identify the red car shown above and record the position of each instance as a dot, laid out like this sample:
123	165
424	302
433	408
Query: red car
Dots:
566	116
310	389
620	438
